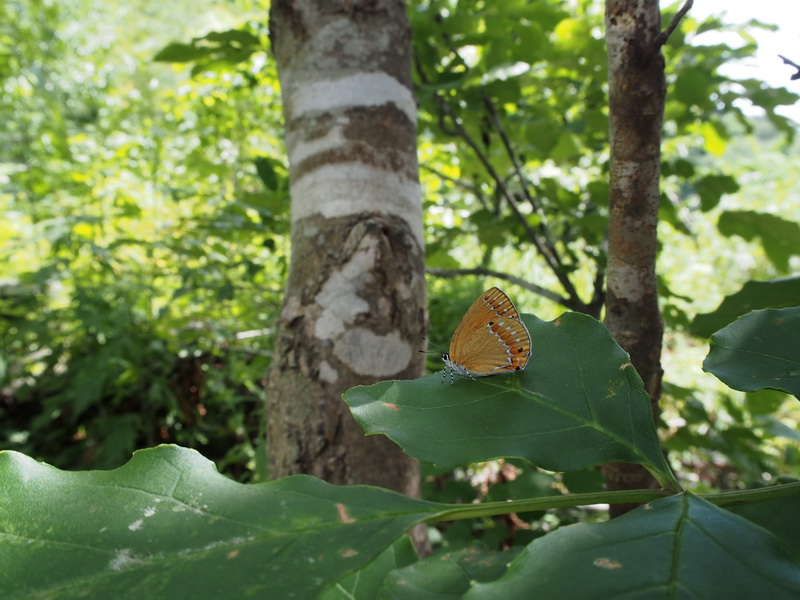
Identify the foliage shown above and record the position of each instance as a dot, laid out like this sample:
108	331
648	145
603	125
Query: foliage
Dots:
779	293
168	521
513	134
149	221
144	250
514	139
760	341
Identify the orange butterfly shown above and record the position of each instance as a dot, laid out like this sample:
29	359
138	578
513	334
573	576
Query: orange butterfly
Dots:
489	339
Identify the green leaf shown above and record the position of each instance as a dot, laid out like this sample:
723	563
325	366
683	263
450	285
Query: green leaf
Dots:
758	350
167	521
584	481
232	36
770	98
265	167
778	516
447	575
692	87
491	230
678	547
713	142
181	53
578	403
765	402
367	583
778	293
567	146
779	237
711	188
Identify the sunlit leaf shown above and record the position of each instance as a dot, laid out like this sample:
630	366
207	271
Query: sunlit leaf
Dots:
578	403
168	521
713	142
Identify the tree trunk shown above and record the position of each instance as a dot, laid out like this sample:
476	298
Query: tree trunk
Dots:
636	89
354	306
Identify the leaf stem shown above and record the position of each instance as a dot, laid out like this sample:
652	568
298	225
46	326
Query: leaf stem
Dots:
489	509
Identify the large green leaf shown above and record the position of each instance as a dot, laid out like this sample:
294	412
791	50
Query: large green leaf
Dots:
168	525
759	350
579	402
678	547
778	293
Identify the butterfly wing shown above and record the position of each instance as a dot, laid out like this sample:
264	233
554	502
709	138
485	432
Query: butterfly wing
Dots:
490	338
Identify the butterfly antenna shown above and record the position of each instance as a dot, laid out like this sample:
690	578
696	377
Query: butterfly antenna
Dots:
432	344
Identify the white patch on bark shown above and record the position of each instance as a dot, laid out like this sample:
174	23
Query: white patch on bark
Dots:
628	168
368	353
327	373
338	297
300	150
344	189
625	281
356	90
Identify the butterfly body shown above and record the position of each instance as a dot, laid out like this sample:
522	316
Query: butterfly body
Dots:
490	338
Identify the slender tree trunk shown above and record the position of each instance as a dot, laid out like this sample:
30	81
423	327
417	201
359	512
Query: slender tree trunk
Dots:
636	89
355	306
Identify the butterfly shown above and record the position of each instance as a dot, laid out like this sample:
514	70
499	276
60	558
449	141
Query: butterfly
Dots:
489	339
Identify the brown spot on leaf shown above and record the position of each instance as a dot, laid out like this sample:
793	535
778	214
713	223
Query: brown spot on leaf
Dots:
607	563
344	516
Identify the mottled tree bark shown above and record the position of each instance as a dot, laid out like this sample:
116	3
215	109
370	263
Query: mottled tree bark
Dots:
355	306
637	90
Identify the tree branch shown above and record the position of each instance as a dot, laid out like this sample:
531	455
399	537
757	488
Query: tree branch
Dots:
551	258
524	183
484	272
664	35
598	293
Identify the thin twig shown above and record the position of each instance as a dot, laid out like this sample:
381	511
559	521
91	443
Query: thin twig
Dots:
664	35
795	65
484	272
598	293
552	259
524	183
545	249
